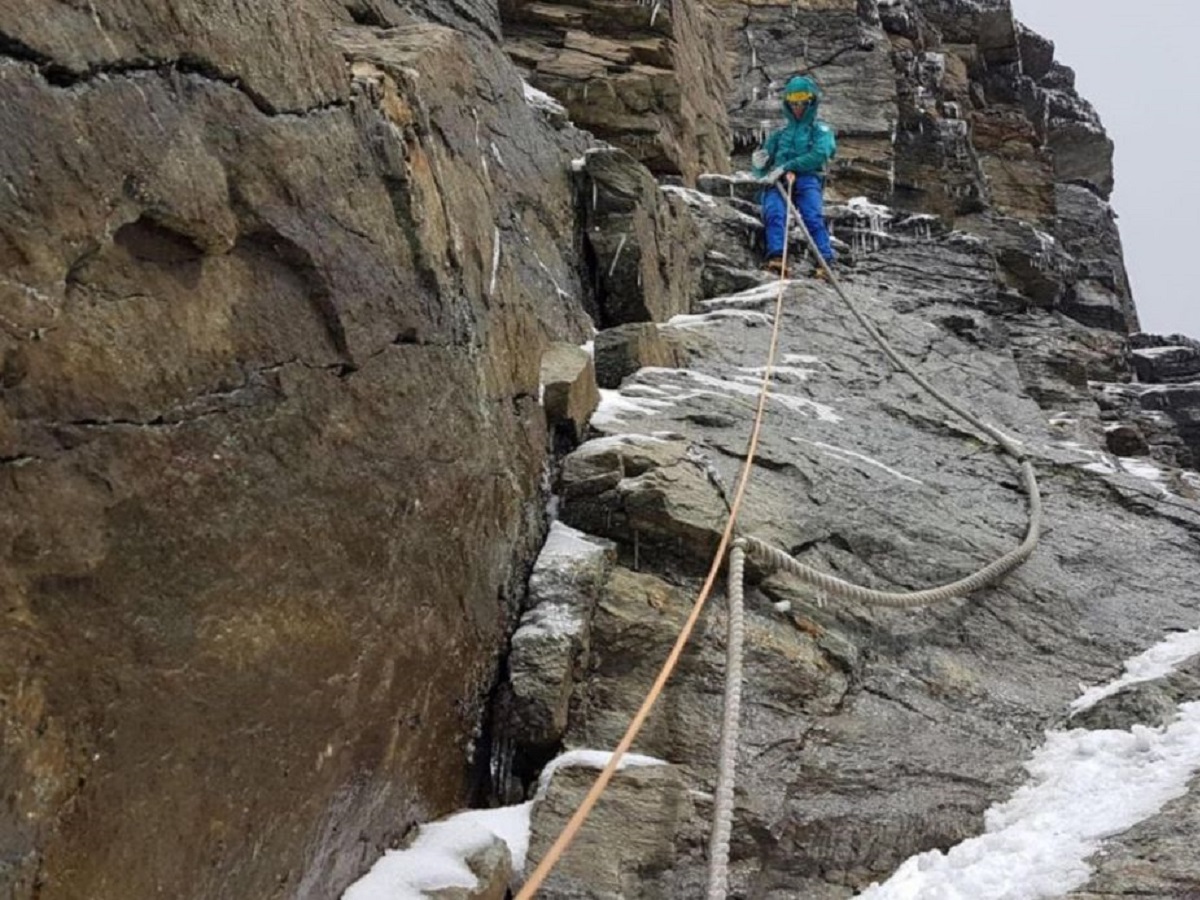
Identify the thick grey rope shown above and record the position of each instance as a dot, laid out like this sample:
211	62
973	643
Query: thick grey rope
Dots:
990	573
905	600
718	844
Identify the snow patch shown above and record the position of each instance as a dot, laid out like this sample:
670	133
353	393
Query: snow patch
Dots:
614	405
542	101
1084	786
1159	661
437	858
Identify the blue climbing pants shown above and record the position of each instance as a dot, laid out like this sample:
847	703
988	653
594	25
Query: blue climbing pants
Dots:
806	194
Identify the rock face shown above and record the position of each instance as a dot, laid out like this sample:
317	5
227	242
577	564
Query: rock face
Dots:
639	241
640	75
986	252
275	292
279	281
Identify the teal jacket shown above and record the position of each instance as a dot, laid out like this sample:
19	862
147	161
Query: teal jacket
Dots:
803	145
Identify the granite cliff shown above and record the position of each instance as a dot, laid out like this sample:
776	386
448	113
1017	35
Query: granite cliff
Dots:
291	308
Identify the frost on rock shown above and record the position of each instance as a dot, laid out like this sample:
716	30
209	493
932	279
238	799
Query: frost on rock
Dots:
671	387
541	101
690	196
852	457
871	226
565	542
699	320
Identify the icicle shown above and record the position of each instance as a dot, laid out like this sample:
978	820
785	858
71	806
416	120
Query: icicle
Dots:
495	261
617	255
654	12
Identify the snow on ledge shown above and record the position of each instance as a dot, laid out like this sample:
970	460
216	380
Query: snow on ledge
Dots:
437	858
1159	661
1085	786
542	101
590	759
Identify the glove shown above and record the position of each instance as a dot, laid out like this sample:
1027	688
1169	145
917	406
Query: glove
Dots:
774	175
759	158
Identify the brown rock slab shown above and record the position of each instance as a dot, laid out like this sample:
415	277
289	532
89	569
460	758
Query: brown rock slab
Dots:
622	350
269	434
569	385
642	77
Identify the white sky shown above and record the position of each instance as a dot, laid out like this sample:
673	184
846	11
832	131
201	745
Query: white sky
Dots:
1137	64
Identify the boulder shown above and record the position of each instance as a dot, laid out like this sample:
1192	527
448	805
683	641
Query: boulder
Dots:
624	349
644	804
569	392
1163	363
550	644
650	495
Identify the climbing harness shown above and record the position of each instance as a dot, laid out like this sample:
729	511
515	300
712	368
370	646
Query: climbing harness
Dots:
718	872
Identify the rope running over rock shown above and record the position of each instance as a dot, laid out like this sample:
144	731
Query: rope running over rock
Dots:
718	844
718	872
723	800
565	838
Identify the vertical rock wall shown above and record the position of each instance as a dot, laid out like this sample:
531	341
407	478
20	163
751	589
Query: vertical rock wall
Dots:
273	297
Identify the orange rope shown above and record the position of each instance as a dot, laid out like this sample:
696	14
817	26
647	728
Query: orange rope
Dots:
585	808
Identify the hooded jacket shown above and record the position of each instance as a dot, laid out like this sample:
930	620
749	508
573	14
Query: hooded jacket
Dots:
803	145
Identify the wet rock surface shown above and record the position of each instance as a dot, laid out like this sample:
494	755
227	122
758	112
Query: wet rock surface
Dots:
870	735
278	287
275	294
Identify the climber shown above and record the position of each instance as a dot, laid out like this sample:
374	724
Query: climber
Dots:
800	150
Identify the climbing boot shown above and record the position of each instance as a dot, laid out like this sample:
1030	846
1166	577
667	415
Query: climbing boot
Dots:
774	265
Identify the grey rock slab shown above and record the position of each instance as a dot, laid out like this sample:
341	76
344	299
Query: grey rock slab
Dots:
553	636
862	474
643	809
653	496
1166	364
1155	859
